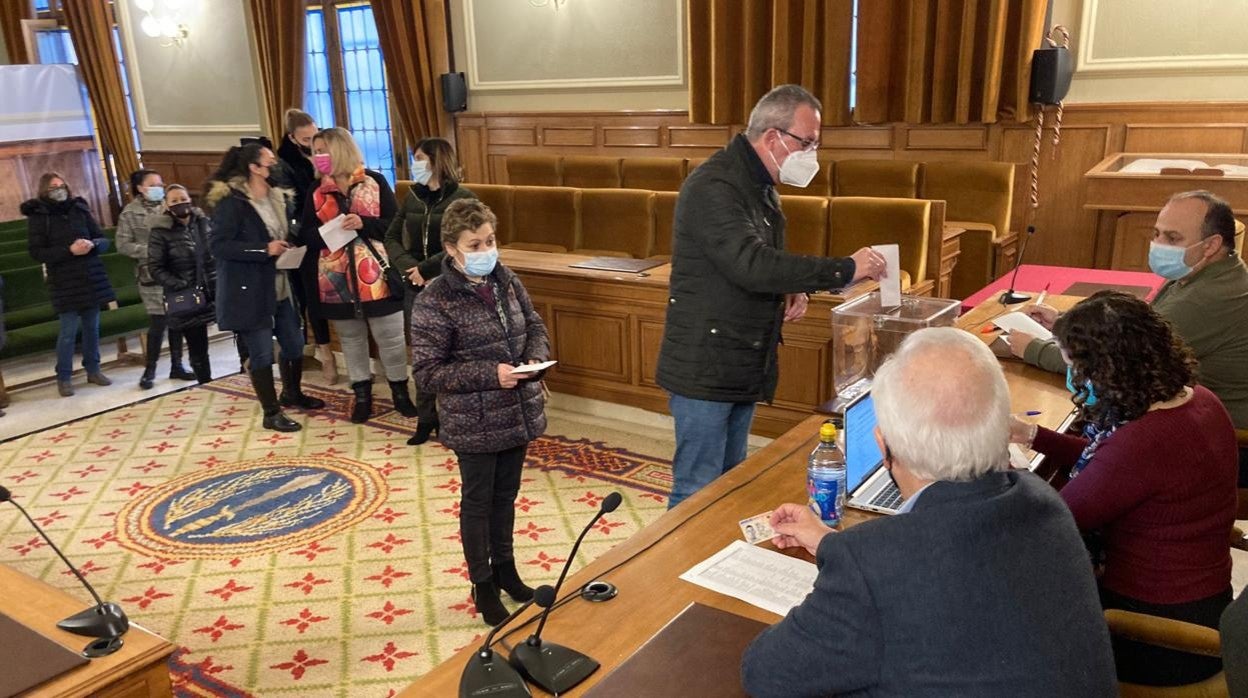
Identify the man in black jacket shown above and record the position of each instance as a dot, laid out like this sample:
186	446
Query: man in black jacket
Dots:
980	586
733	285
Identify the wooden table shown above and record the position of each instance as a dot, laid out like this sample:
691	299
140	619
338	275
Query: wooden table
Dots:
138	669
646	567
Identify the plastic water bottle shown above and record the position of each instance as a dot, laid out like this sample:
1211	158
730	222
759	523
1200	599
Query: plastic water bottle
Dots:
825	477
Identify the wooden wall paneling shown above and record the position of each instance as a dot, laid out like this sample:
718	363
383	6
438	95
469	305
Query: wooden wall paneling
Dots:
23	162
1130	244
650	339
568	136
512	136
1185	138
188	168
946	138
634	136
470	147
857	137
595	345
497	171
713	137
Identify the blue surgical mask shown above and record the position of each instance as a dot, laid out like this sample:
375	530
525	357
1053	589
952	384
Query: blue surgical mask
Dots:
480	263
154	193
1070	385
1167	261
421	172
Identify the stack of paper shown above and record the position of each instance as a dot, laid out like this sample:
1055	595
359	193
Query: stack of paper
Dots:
765	578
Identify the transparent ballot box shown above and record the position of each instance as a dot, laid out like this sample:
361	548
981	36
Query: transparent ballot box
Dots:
864	334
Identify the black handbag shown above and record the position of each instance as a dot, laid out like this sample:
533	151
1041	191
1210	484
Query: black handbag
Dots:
188	301
394	280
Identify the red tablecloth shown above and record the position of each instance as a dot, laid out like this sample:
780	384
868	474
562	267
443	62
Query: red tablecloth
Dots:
1032	278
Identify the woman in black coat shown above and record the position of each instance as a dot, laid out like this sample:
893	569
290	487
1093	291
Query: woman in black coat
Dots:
65	238
178	260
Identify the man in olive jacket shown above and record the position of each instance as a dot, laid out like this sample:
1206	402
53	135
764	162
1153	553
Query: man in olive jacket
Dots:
733	285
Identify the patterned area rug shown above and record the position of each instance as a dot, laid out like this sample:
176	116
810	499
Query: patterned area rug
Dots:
320	563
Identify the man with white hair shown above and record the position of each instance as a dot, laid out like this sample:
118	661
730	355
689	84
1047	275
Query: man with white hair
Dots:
981	585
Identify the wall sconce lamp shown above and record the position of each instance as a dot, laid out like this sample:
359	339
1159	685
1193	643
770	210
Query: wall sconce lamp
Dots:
167	28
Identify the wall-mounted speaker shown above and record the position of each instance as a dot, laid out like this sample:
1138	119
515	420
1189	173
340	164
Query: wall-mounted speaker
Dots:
454	92
1051	69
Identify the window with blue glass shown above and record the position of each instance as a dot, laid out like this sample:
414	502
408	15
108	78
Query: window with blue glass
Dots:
56	46
317	99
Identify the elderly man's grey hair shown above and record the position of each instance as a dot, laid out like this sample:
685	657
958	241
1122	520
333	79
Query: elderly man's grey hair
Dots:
776	109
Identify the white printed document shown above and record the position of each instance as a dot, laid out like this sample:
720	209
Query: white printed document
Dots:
292	258
533	368
335	236
1019	322
890	285
761	577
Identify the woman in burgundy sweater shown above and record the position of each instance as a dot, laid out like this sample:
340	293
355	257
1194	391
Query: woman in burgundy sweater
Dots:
1152	480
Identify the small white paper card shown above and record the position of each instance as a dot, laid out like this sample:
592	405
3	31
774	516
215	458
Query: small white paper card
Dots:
758	576
890	285
292	258
335	236
1020	322
533	368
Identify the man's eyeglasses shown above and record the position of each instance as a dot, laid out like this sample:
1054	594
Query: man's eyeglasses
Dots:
806	143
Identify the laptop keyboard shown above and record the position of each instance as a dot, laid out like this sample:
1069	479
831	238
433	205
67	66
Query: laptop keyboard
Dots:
887	498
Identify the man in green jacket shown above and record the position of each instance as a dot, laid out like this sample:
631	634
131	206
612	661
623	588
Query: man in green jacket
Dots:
733	285
1205	297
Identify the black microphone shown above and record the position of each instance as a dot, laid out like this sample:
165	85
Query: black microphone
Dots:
104	620
554	667
484	676
1012	297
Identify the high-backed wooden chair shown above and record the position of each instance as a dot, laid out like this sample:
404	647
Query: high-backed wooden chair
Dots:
1239	238
590	172
1171	634
896	179
616	223
806	224
691	164
499	198
821	185
978	198
533	170
856	221
655	174
664	224
547	219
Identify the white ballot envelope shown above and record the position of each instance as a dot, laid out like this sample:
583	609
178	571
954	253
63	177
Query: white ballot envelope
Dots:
533	368
292	258
890	285
1019	322
335	236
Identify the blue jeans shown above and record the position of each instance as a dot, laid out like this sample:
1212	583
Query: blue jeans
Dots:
89	320
711	438
289	333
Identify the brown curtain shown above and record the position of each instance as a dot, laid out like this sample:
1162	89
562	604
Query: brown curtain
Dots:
946	61
740	49
414	41
90	25
12	12
279	30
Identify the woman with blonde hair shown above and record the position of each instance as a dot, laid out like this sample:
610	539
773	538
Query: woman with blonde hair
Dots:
349	284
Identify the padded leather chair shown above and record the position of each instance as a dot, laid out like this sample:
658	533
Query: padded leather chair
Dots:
806	224
978	198
533	170
664	224
616	223
821	185
1171	634
691	164
896	179
654	174
857	221
499	198
547	219
589	172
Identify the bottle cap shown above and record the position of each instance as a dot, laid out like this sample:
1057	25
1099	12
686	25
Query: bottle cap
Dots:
827	432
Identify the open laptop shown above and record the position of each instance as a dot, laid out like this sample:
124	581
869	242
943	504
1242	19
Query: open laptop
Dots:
866	478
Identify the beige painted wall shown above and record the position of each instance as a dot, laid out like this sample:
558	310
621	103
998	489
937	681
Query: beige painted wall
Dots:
203	95
1158	20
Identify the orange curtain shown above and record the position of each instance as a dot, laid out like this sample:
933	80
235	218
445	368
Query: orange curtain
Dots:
90	25
414	41
946	61
740	49
12	12
279	27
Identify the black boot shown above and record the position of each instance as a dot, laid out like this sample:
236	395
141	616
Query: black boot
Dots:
262	382
402	400
491	608
176	370
203	370
426	416
423	431
151	353
362	408
508	579
292	387
149	375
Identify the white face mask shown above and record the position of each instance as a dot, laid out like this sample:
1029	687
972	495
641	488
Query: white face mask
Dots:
421	172
799	168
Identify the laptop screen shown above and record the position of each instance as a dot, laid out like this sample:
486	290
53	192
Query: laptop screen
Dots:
862	453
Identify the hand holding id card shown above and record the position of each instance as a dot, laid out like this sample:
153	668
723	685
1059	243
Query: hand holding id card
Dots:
757	529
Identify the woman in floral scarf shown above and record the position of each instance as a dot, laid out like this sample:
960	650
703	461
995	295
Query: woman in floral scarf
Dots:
347	284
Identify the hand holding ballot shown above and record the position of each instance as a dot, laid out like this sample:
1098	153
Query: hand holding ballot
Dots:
796	525
869	263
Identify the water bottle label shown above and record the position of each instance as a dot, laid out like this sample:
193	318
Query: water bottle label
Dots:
823	499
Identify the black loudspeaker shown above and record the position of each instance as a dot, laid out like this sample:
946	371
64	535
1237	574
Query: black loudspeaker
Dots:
455	92
1051	69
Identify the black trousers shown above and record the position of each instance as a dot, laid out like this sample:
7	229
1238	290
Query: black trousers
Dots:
156	336
1156	666
197	344
487	507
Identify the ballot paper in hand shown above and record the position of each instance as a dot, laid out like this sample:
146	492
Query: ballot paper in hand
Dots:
292	258
761	577
335	236
890	285
533	368
1020	322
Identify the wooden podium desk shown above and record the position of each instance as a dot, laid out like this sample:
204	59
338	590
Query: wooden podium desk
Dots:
606	327
137	670
647	566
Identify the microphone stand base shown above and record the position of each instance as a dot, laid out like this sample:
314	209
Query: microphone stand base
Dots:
491	676
1014	298
553	667
106	620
